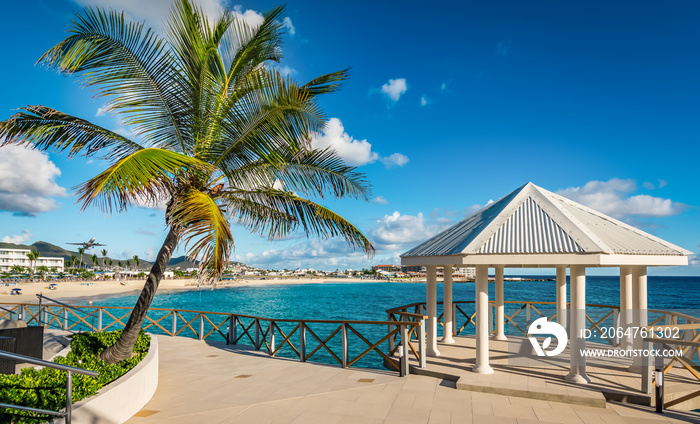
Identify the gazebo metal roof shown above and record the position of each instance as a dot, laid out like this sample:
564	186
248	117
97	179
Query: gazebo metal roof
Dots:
534	221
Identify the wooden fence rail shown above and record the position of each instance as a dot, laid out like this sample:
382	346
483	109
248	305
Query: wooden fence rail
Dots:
344	342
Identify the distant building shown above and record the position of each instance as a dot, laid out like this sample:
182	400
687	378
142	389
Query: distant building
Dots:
386	268
413	268
464	272
12	257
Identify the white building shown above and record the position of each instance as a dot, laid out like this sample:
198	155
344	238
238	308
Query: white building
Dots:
12	257
469	272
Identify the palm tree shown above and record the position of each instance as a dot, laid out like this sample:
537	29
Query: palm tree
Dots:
43	270
33	255
104	256
220	135
74	260
81	250
94	261
136	262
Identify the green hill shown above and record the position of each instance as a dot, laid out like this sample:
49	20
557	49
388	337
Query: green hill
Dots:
50	250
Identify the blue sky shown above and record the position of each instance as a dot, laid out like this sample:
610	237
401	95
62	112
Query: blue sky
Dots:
449	106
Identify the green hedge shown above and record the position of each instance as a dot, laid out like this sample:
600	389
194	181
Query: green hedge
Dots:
46	388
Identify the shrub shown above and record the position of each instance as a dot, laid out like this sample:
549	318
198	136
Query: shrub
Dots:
46	388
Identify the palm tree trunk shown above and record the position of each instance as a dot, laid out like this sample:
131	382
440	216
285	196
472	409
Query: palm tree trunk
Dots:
124	347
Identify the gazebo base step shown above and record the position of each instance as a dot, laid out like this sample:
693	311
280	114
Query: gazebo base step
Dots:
488	383
575	396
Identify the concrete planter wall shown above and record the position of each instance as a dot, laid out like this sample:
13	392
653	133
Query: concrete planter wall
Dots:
120	400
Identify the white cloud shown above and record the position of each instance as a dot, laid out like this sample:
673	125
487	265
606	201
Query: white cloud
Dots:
380	200
613	198
395	159
424	101
284	70
154	12
395	88
101	111
27	181
251	17
651	186
354	152
325	254
18	238
396	231
694	259
502	48
287	22
150	254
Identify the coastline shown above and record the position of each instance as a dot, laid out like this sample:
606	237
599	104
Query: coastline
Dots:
99	289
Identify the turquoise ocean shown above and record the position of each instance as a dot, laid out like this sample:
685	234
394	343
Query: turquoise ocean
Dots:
369	301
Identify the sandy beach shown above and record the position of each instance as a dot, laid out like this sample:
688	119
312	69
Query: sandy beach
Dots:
92	290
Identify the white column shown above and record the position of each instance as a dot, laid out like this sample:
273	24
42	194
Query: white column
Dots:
431	300
639	300
447	305
626	305
639	276
500	308
482	321
561	295
577	374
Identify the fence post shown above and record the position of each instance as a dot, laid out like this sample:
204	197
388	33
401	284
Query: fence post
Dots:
659	379
421	344
271	330
231	330
616	325
20	313
646	369
201	326
302	342
257	334
174	326
65	318
454	319
403	360
344	330
391	341
99	320
527	314
491	329
69	396
41	313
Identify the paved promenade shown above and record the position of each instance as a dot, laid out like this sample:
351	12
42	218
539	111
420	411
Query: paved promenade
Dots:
207	383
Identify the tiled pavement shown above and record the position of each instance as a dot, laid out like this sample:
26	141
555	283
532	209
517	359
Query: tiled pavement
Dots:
210	383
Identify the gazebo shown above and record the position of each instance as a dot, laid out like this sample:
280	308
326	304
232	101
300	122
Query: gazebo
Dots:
535	228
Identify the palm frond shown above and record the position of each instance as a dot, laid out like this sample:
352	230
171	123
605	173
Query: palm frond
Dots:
327	83
146	176
205	230
273	116
316	172
245	49
277	213
129	65
47	129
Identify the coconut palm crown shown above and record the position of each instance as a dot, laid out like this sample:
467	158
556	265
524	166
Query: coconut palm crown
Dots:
219	135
